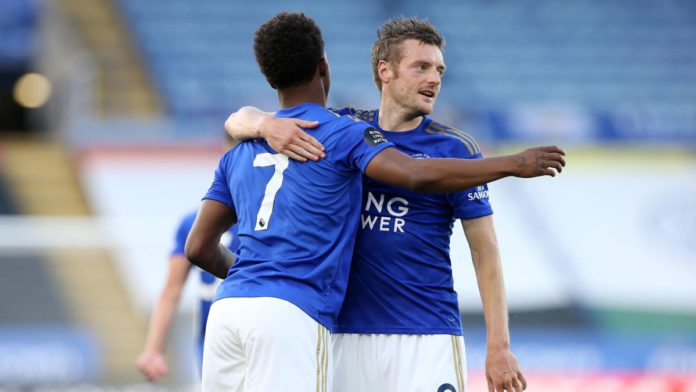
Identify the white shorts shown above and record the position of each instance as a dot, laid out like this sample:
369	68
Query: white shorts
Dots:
399	363
264	344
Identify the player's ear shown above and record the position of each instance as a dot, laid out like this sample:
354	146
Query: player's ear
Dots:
323	67
384	70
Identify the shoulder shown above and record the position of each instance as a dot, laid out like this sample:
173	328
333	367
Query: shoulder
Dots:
365	115
227	155
462	140
346	121
325	115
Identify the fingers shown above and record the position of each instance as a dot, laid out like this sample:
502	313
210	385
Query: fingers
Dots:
523	380
304	136
304	123
293	155
548	172
508	384
517	384
553	149
153	374
554	156
552	163
303	144
302	151
311	145
556	165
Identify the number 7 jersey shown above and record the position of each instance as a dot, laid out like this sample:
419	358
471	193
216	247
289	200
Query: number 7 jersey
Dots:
297	221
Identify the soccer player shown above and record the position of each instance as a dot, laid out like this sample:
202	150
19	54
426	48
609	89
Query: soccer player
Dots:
268	327
399	328
151	362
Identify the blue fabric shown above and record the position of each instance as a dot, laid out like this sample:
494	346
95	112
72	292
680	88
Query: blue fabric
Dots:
401	278
301	251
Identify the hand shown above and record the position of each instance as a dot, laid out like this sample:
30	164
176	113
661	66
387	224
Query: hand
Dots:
152	365
286	136
540	161
503	372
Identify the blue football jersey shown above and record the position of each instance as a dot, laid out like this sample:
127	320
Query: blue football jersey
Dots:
207	282
401	278
297	221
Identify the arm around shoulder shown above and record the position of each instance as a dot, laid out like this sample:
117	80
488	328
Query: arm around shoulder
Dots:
284	135
441	175
436	175
244	123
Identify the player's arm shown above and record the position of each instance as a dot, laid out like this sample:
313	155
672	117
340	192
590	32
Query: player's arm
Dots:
203	246
502	369
151	362
453	175
285	135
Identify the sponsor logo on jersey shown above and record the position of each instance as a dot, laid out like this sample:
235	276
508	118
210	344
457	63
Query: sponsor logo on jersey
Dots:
420	155
373	137
480	193
388	216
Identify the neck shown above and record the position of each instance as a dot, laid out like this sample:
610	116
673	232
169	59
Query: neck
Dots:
396	118
312	92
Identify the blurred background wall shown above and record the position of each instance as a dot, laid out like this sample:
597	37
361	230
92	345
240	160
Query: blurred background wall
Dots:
111	116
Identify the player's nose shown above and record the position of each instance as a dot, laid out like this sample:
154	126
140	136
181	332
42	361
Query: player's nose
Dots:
434	78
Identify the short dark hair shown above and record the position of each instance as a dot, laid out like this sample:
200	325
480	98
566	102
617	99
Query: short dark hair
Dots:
288	49
393	33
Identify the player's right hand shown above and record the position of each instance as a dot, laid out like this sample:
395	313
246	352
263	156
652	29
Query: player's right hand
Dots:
540	161
152	365
286	136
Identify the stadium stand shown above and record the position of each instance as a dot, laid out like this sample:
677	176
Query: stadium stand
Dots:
614	60
201	58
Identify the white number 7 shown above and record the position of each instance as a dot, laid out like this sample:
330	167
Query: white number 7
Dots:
280	162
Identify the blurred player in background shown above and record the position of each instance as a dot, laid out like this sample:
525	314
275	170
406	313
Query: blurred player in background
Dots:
268	329
152	362
400	328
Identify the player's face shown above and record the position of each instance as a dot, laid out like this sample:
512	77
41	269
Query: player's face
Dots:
417	77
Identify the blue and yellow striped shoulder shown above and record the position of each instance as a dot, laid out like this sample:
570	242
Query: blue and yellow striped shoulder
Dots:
435	128
366	115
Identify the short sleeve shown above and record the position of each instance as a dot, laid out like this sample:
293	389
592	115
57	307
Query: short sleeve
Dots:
219	190
361	142
473	202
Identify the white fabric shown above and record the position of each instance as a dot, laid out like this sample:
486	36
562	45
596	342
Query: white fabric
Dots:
399	363
264	344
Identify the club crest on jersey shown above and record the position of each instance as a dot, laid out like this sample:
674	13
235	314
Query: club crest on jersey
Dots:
373	137
480	193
